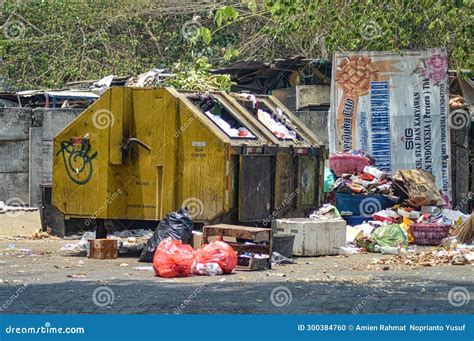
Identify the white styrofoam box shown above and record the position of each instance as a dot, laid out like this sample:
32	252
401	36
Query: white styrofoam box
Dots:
314	237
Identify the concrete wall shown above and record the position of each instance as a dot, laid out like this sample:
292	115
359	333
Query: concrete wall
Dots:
14	155
26	151
47	123
317	121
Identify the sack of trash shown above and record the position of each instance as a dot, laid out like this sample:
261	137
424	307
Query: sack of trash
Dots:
390	235
214	258
176	225
173	259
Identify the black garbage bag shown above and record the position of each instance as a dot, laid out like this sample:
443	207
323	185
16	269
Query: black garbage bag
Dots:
176	225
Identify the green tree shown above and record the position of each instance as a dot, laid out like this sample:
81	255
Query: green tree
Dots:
46	43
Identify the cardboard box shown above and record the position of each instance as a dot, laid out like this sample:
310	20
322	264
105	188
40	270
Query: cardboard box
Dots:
196	240
102	249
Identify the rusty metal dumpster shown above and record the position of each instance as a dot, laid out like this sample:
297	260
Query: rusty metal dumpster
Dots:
300	157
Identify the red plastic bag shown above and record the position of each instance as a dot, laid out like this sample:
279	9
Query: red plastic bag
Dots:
173	259
216	252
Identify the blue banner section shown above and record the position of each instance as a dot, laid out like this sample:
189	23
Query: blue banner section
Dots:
237	327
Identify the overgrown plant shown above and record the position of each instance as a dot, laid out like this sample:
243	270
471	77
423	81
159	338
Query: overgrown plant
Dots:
196	76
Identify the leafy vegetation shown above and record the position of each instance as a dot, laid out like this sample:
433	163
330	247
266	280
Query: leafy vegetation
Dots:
51	42
196	76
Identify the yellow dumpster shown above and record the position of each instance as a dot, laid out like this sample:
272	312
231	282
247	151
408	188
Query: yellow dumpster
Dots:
137	154
141	153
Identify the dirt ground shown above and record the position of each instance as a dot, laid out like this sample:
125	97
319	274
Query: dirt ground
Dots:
48	280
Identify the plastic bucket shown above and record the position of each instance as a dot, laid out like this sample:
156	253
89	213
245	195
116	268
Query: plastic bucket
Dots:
283	244
354	220
360	204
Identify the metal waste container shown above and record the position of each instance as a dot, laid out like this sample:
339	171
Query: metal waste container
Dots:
300	157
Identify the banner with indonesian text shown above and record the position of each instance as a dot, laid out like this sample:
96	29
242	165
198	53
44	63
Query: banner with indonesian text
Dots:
395	107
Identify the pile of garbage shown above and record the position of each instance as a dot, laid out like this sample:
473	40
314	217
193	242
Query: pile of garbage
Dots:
175	259
276	122
128	241
387	213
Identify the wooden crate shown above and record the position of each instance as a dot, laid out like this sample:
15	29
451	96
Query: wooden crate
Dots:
102	249
256	235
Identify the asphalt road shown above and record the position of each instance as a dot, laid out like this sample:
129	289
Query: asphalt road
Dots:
49	281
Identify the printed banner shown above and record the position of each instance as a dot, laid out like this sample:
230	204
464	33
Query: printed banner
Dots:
395	107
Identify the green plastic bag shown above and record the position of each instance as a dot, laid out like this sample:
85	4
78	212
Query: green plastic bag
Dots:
390	235
329	180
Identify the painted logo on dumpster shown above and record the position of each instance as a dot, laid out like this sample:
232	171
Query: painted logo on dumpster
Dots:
77	158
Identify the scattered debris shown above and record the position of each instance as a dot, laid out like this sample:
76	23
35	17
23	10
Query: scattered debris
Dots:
278	258
79	275
143	268
430	258
40	234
